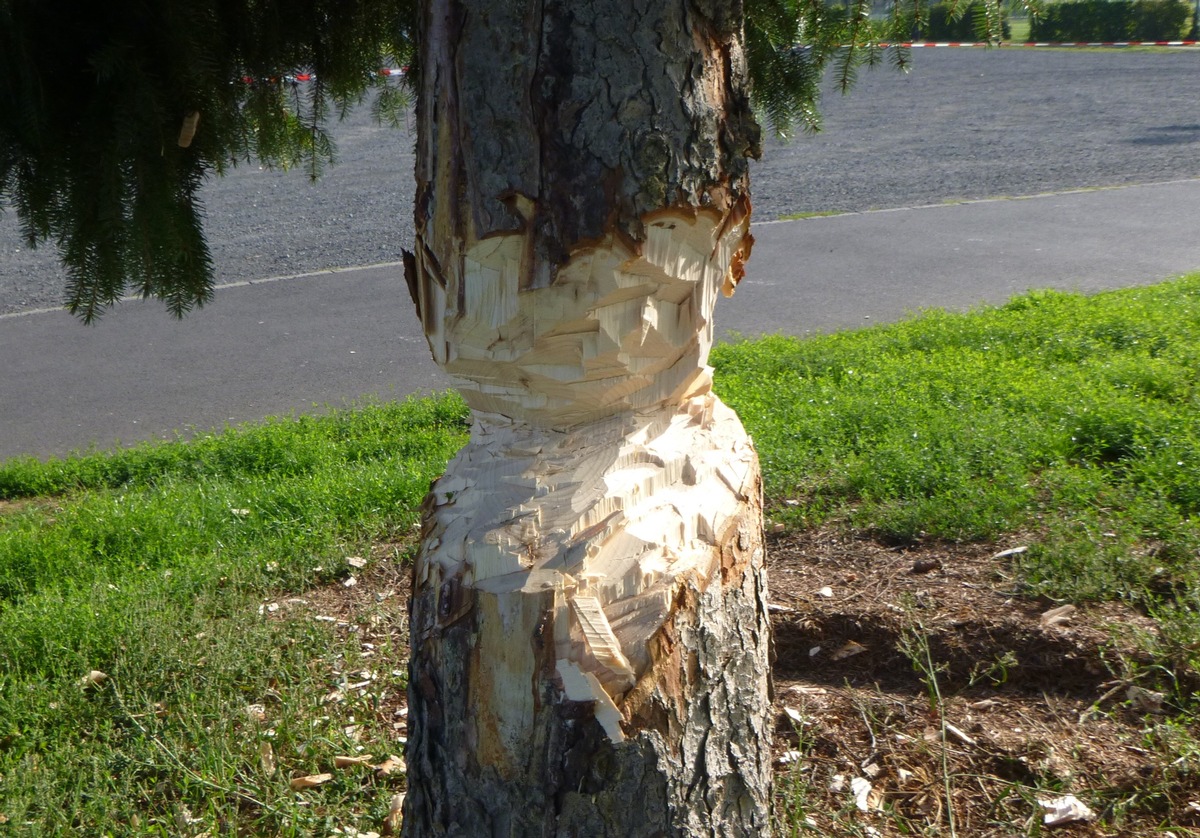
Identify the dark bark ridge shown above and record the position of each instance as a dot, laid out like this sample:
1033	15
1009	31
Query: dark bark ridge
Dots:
572	119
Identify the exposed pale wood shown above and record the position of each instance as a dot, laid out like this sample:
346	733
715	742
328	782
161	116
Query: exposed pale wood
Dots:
589	621
619	329
647	622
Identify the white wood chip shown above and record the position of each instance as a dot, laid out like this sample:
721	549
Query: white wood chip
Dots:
862	790
1058	616
848	650
959	734
350	762
804	689
1065	809
310	781
601	641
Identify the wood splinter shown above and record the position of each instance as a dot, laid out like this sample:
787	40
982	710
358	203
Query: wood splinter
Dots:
188	130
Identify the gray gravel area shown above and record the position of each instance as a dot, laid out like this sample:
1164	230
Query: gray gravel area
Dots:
963	124
973	123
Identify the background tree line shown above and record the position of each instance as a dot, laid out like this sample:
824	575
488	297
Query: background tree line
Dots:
1075	21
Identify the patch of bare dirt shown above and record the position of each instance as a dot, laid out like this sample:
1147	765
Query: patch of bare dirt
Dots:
14	507
918	693
358	595
366	673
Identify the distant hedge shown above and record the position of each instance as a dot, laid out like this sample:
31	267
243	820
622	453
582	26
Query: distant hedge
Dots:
1110	20
940	26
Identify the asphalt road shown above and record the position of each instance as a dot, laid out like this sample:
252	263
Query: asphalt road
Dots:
964	125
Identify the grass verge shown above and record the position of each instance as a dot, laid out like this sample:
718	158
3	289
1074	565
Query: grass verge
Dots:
151	566
202	578
1072	417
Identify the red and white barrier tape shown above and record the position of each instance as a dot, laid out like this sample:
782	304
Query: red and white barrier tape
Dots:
920	44
399	71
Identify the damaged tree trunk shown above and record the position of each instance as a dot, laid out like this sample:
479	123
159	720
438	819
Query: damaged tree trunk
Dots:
589	627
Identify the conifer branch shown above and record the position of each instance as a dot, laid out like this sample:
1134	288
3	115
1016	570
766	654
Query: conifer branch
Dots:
102	151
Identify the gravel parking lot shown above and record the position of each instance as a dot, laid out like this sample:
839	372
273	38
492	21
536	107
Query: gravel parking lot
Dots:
963	124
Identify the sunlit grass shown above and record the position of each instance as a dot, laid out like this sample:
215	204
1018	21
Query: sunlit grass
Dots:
1072	422
149	565
1074	418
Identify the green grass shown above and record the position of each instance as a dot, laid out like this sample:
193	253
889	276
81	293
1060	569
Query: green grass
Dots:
149	565
1019	30
1075	419
1071	422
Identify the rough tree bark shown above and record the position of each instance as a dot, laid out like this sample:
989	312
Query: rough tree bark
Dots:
589	628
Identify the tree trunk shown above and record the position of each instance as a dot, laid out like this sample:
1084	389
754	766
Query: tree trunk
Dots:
589	628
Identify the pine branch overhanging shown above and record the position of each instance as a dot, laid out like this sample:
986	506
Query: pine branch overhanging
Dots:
97	100
96	155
